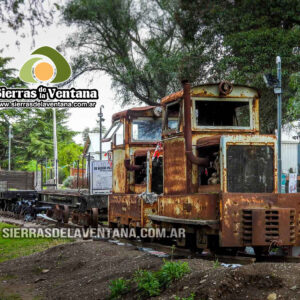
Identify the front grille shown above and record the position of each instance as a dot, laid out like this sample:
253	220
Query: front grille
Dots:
266	226
247	226
293	226
271	225
250	169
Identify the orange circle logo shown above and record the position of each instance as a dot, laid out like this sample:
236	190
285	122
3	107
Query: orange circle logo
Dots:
43	71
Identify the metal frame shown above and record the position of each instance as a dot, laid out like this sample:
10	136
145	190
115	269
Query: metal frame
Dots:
249	100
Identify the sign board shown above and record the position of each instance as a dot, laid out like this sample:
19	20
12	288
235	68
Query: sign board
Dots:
101	177
292	183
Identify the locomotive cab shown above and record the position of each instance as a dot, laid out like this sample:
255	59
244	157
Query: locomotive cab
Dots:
220	173
134	135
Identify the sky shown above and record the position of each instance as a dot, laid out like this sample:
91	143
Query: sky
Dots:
53	36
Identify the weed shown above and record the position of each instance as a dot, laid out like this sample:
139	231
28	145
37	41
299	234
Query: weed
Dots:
172	251
119	287
191	297
216	264
171	271
147	282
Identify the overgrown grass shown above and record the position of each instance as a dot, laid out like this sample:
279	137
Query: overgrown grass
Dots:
150	283
14	248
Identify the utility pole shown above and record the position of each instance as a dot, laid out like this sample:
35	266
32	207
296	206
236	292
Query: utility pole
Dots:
100	115
278	92
9	146
55	162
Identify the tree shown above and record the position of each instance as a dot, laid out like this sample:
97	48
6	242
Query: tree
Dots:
17	13
252	33
148	46
32	128
67	154
136	43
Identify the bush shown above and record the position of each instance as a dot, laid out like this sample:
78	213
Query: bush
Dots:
119	287
150	283
68	181
147	282
172	270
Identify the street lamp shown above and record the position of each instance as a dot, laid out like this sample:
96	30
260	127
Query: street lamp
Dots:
272	81
100	115
10	136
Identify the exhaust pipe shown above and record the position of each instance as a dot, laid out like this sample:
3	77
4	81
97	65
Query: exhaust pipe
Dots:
131	167
201	161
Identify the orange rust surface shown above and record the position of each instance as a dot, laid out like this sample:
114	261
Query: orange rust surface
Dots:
130	209
202	91
132	111
174	167
119	172
195	206
233	204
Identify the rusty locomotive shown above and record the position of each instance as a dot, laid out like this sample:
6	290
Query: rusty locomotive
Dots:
216	176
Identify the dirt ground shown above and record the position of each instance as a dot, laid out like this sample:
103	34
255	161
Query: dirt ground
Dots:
82	270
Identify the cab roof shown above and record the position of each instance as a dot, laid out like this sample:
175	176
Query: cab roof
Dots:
212	90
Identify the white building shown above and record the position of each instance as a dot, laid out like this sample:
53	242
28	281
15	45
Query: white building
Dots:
290	147
92	146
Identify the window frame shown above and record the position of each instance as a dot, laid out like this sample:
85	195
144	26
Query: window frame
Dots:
107	139
143	118
166	129
248	100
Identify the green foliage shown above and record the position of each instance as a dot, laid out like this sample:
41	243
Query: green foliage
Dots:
293	107
136	43
148	46
191	297
151	283
118	287
171	271
67	154
147	282
68	181
32	131
216	264
250	35
14	248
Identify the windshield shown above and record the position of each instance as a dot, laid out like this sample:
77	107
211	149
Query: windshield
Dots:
222	113
146	130
111	131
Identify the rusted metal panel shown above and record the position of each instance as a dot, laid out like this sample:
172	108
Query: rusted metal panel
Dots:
212	90
195	206
130	210
175	181
119	171
251	219
135	111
